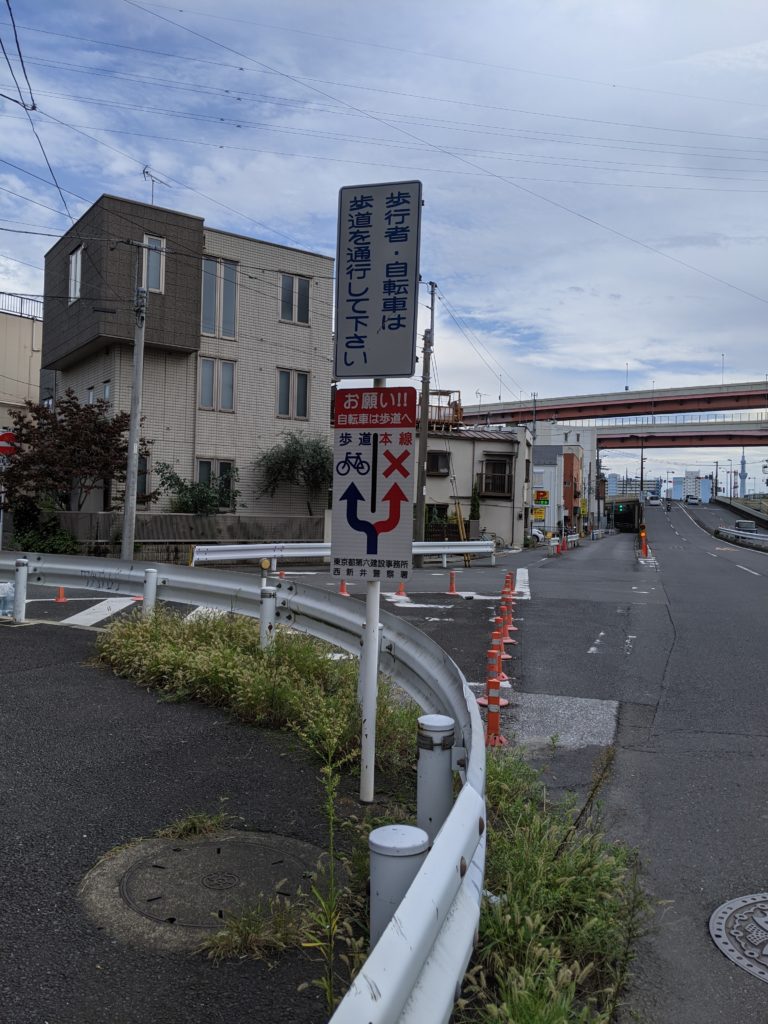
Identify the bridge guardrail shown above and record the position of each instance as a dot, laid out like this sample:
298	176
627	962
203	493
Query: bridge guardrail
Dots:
747	539
412	974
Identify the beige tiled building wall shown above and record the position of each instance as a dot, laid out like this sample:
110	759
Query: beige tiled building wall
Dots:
21	340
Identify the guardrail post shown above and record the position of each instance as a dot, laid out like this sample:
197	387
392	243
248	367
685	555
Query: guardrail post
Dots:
268	615
396	854
434	778
150	592
20	590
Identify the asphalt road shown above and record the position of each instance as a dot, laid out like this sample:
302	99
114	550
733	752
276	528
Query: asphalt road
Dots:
664	656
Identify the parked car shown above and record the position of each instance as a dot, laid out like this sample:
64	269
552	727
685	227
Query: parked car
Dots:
691	499
537	536
745	526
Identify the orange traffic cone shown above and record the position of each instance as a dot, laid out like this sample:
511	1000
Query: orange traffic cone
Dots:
281	574
493	735
61	597
401	590
452	587
493	675
343	592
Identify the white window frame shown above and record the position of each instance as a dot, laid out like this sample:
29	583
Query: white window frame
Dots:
75	274
292	414
161	251
295	278
107	390
217	383
90	395
218	299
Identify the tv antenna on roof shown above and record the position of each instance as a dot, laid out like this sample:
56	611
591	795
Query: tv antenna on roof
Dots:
149	176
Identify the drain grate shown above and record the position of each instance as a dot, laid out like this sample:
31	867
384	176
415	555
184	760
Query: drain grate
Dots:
739	929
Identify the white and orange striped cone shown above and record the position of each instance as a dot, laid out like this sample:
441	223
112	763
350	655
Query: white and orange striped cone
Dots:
502	625
452	586
61	597
493	736
343	592
508	612
493	671
497	641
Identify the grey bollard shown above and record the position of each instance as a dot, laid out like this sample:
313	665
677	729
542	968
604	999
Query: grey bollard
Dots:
268	615
20	590
396	854
150	592
434	776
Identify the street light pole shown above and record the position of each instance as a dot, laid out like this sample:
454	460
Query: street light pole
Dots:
421	480
131	476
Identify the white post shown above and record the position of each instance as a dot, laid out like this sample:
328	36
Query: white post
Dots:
434	777
267	616
150	592
20	590
396	854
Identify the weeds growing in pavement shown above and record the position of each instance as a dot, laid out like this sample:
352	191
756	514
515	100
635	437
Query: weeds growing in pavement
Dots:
555	939
272	926
198	823
292	684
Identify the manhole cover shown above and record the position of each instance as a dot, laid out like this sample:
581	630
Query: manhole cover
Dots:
739	929
170	895
198	884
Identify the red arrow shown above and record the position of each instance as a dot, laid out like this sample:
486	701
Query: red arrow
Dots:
395	497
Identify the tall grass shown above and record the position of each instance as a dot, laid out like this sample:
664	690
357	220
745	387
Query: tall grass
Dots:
292	684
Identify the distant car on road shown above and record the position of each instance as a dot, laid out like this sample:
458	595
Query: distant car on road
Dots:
691	499
654	499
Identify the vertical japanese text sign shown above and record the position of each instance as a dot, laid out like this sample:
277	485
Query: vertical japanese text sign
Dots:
373	472
377	280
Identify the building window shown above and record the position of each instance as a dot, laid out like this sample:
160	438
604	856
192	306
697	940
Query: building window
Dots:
219	306
107	390
75	273
294	299
154	263
89	396
438	463
142	478
217	472
217	384
495	478
293	394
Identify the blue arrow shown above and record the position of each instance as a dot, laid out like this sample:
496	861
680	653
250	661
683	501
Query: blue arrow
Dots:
353	497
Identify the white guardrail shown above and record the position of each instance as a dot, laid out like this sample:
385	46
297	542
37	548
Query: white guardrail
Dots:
747	538
412	974
320	549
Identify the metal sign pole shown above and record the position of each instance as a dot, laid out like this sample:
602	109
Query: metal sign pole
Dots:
368	684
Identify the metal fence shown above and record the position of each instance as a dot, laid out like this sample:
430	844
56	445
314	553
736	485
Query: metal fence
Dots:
412	974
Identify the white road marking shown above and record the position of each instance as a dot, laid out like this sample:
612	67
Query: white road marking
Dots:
712	553
97	612
751	571
594	649
522	585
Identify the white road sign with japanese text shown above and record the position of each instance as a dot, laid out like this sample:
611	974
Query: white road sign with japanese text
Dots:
377	280
373	475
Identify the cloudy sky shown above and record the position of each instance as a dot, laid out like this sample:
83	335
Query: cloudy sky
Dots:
595	173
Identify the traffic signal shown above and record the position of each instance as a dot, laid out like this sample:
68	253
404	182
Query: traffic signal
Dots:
621	507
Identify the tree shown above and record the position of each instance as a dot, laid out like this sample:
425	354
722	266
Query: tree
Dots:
199	498
65	451
300	460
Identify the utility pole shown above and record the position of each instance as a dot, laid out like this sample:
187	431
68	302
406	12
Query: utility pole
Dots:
717	492
421	482
131	477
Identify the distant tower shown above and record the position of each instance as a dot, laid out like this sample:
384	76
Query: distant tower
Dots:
743	475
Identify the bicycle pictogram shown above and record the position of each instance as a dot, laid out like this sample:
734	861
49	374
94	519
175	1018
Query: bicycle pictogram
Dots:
353	461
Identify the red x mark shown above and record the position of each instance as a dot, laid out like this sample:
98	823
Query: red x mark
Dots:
396	463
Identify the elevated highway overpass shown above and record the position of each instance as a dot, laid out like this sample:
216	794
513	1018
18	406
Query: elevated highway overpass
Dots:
653	402
699	434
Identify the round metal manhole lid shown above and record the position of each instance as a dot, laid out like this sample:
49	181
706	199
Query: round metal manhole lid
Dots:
198	884
170	894
739	929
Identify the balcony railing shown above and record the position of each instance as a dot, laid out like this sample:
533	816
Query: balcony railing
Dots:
494	485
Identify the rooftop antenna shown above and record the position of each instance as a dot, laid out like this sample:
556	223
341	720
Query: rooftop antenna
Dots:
149	176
